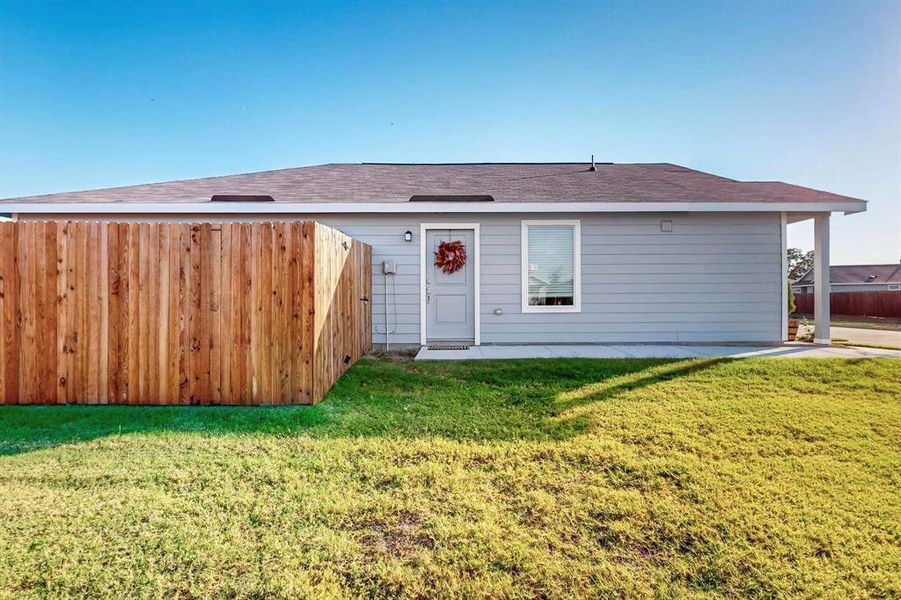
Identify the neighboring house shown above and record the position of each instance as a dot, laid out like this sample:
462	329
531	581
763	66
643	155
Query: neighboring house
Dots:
557	252
855	278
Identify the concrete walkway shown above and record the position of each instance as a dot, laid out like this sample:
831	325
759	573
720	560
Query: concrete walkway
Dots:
789	350
859	335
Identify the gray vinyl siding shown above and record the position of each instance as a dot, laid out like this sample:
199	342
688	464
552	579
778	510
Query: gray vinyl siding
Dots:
716	277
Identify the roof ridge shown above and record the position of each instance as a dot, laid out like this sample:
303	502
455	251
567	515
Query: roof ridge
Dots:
476	164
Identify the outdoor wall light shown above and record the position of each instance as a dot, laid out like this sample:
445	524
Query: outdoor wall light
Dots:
408	236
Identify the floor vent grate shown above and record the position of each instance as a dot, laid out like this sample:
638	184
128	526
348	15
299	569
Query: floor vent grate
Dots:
448	347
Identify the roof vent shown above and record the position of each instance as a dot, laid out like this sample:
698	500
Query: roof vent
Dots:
452	198
592	168
240	198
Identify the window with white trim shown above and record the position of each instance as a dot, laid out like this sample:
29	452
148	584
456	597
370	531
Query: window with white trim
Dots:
551	266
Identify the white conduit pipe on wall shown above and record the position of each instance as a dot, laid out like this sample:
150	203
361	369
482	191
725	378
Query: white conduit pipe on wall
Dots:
387	347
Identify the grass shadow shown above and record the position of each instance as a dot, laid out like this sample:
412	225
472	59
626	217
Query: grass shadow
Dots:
472	400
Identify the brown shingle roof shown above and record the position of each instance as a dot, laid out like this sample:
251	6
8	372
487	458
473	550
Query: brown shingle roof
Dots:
506	182
859	274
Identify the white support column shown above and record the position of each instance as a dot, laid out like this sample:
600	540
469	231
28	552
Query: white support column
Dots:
783	294
821	286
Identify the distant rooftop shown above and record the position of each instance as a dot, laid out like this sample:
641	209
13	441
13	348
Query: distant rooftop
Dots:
859	274
503	182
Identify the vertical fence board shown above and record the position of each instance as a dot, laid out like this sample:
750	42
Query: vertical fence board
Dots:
246	314
162	325
225	317
114	309
40	313
151	281
118	330
104	300
214	266
308	296
134	308
254	309
62	272
184	321
91	317
71	316
49	318
140	347
240	290
194	326
281	294
174	317
266	334
9	330
22	308
297	345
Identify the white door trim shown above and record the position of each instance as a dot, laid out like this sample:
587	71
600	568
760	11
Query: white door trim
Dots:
423	228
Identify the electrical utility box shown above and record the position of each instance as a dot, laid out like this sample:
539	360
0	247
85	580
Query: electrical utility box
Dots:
389	267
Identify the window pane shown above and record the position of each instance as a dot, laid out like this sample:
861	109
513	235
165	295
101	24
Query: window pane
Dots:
550	260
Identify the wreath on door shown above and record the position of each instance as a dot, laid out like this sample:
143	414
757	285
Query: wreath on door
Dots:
450	256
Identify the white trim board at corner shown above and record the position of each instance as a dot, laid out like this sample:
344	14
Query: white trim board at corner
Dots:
272	208
477	304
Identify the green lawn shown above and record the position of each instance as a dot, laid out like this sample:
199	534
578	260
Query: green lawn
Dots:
491	479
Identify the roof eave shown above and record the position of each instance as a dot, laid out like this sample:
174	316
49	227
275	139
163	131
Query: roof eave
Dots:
230	208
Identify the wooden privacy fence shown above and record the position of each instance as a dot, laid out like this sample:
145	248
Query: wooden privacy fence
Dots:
864	304
179	313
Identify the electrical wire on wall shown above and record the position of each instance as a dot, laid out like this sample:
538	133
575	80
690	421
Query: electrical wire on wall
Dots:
386	330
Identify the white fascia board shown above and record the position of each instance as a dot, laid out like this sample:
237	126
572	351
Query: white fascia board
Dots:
271	208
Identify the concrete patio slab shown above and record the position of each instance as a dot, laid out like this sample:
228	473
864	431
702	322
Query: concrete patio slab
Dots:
790	350
655	351
587	352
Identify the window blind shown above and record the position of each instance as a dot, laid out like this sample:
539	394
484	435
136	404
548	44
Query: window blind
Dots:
550	260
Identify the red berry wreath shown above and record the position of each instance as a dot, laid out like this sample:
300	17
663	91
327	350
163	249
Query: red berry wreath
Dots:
450	256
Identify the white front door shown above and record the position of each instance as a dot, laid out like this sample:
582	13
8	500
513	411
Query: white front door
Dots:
450	297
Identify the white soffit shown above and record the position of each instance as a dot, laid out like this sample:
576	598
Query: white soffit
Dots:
271	208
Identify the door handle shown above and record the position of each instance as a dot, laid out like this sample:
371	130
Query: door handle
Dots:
428	291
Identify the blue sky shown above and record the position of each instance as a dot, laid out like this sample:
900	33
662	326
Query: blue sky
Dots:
115	93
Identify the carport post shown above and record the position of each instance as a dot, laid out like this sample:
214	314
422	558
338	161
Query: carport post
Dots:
821	284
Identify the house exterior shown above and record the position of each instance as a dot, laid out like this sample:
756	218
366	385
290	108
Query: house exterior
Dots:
555	252
855	278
